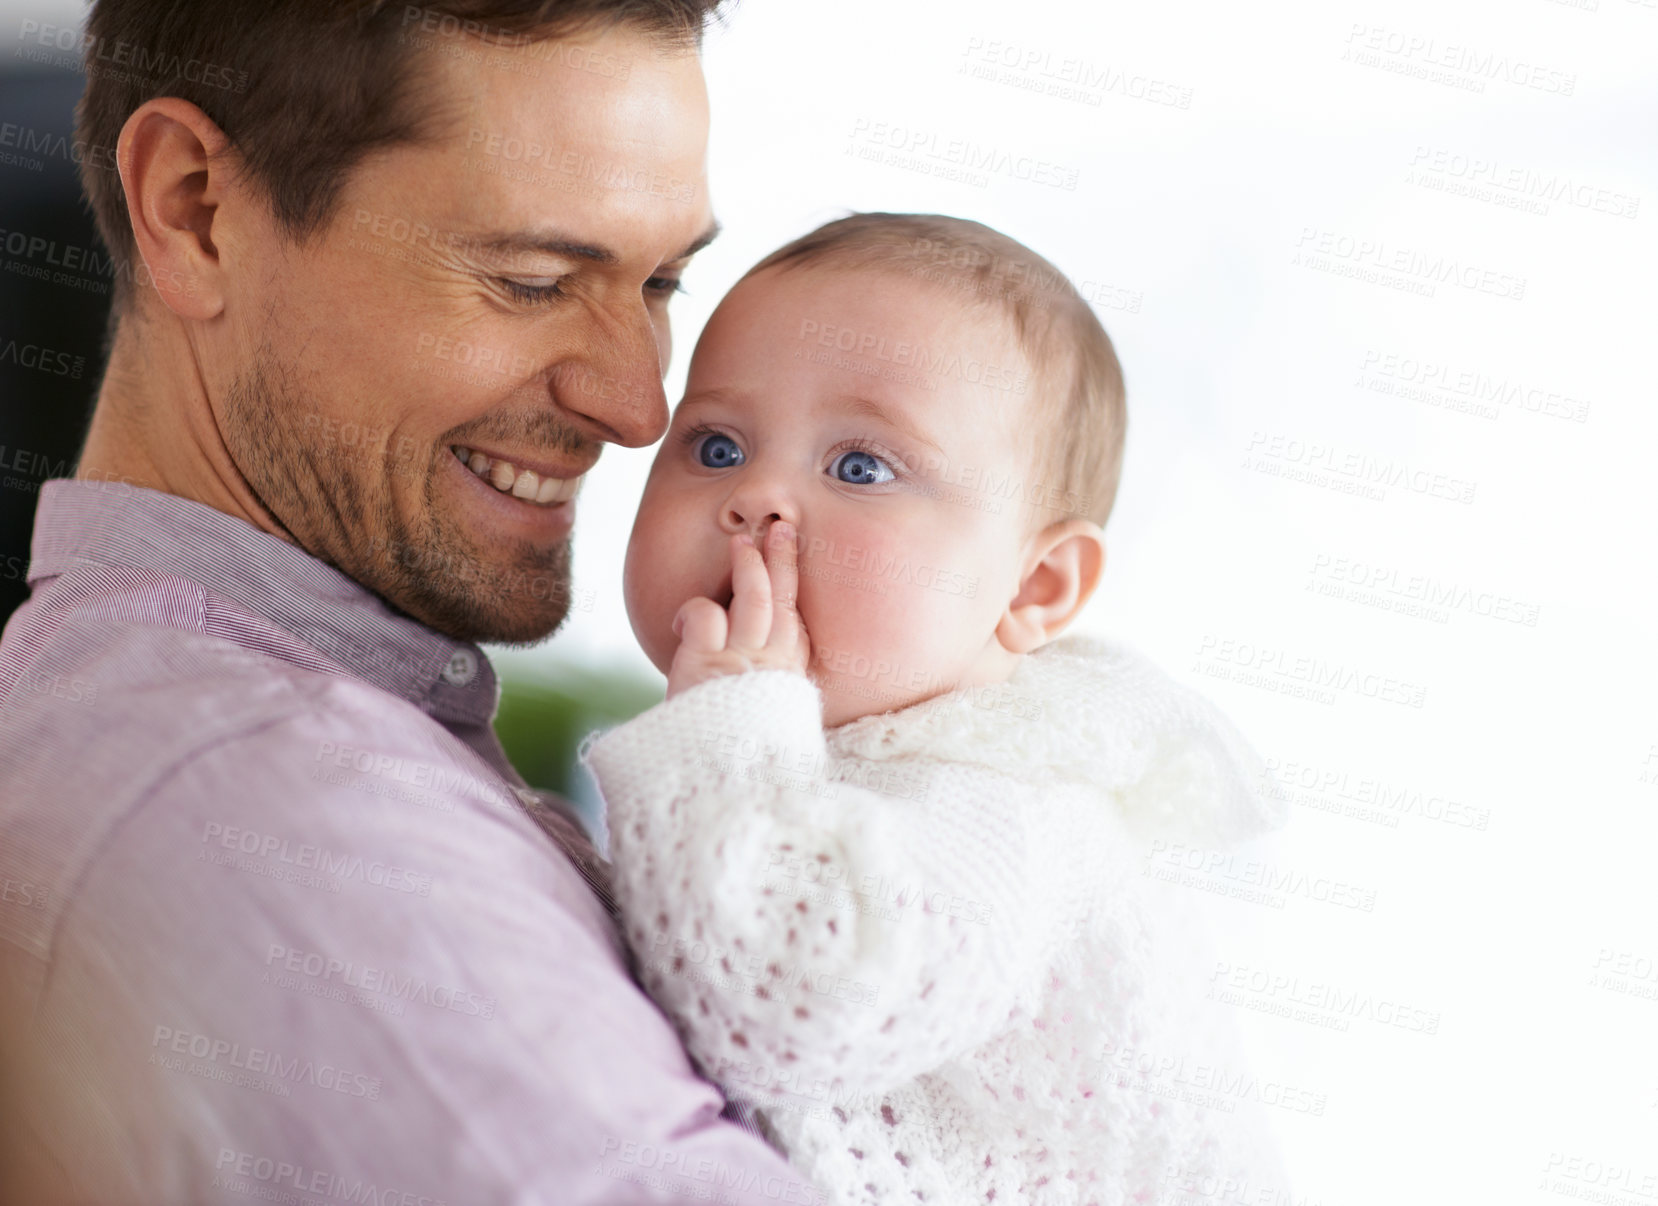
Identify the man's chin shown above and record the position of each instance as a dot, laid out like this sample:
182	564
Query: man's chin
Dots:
521	632
462	622
502	605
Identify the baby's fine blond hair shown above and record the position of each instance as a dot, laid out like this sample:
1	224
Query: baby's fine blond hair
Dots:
1081	408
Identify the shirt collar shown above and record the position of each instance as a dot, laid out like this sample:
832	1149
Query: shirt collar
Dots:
116	524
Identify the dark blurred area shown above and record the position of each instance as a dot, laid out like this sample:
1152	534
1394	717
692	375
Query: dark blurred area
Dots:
543	719
55	285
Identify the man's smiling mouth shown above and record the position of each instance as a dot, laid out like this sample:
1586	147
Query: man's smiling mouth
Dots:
522	483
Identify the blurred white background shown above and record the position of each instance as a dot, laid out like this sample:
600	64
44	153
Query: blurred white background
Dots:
1316	128
1342	248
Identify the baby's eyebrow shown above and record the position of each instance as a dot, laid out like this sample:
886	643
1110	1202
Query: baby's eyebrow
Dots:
707	395
859	405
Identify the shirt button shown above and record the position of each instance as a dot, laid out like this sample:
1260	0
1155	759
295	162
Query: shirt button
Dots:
462	668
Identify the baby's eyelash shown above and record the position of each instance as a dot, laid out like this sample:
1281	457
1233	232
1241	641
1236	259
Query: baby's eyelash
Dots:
696	431
858	444
892	460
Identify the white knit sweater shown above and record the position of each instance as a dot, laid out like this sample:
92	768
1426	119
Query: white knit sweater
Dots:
925	944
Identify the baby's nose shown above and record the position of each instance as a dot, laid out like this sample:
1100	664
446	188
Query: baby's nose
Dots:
757	527
755	510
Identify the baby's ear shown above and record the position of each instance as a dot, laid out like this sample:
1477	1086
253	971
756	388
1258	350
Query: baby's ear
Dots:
1061	568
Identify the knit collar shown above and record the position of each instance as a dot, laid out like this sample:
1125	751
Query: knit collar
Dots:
1091	712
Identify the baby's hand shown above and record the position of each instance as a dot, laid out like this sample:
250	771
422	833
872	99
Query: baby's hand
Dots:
762	631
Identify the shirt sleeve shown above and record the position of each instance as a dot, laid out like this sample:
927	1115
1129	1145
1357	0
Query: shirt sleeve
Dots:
362	979
805	930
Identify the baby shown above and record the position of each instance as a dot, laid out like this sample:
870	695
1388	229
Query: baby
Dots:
881	853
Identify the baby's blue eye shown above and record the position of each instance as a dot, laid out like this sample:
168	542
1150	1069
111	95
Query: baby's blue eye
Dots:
860	468
720	452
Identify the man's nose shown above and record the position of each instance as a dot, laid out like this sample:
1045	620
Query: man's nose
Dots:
758	500
617	383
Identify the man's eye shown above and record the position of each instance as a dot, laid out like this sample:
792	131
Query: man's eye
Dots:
530	294
860	468
719	452
664	286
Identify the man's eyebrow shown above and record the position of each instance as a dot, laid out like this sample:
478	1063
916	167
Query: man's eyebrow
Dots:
553	243
549	242
697	244
859	405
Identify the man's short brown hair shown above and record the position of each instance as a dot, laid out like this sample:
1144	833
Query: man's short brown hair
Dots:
1080	403
304	89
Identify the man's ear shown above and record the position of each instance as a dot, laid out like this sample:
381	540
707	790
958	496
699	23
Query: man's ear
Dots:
1061	569
175	169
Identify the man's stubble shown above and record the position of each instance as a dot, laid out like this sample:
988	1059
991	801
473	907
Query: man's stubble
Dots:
335	499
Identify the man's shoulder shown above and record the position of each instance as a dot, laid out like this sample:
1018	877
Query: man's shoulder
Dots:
122	735
108	715
340	739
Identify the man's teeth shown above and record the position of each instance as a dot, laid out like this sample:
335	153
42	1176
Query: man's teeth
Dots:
520	483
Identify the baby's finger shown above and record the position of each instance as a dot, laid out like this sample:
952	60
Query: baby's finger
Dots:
783	562
750	596
701	625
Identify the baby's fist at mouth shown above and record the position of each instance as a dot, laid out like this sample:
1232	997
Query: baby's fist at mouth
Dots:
762	628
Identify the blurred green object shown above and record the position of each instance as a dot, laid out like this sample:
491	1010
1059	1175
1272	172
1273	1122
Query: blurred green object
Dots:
544	717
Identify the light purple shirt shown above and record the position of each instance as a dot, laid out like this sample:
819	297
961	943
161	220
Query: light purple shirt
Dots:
276	921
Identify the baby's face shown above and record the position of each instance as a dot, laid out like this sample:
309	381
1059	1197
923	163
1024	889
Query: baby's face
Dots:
897	480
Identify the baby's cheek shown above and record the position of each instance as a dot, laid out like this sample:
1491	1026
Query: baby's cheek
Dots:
653	576
866	637
920	641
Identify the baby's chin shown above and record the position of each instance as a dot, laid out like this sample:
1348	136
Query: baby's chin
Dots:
843	706
650	618
661	652
834	718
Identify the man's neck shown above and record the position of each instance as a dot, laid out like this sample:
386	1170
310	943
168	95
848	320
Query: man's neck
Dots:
154	426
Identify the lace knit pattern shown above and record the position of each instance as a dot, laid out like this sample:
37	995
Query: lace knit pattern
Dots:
916	942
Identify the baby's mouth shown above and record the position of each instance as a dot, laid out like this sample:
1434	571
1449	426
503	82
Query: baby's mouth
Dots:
724	594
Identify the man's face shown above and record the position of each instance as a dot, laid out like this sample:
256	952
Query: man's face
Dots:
500	295
887	423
